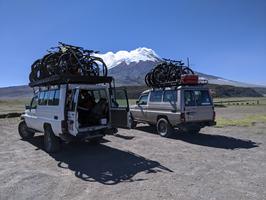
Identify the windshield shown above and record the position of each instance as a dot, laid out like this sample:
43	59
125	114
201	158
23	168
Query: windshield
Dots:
197	98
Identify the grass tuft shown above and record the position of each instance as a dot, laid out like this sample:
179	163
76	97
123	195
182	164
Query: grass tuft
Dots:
246	121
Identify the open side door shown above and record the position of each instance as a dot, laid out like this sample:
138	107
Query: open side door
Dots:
120	115
72	114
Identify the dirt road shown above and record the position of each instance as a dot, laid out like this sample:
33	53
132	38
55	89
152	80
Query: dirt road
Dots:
220	163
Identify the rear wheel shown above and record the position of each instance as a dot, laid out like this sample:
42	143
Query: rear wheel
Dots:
24	131
51	142
164	128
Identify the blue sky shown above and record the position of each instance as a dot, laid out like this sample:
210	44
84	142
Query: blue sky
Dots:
226	38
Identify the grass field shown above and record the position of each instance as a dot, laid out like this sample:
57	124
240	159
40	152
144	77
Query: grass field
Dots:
240	101
249	120
13	105
255	112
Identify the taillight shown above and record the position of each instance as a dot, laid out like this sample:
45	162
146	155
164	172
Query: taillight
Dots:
182	117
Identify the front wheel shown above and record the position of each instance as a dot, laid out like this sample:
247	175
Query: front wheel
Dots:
51	142
24	131
164	128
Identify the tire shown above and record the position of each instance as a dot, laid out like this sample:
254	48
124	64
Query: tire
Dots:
164	128
134	124
24	131
51	142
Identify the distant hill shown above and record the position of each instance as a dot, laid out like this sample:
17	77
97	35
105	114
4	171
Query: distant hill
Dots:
220	91
130	67
15	92
24	91
134	91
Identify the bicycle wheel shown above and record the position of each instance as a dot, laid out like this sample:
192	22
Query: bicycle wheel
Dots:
101	66
160	74
32	76
174	73
50	62
92	69
36	72
187	70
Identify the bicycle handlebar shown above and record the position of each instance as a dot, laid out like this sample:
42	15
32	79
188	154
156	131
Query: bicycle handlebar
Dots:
70	46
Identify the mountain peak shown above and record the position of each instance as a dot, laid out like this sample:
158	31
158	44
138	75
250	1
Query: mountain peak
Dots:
140	54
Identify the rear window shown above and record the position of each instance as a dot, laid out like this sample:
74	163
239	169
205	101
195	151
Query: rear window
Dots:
170	96
156	96
197	98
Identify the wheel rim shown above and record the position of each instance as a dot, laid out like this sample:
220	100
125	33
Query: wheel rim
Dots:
162	127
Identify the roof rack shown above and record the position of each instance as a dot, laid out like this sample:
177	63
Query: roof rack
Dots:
177	84
64	79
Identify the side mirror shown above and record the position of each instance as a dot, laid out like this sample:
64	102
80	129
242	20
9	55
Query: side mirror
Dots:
137	102
27	107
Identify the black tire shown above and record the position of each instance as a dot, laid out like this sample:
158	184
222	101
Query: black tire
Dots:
51	142
101	66
174	73
134	124
187	70
160	74
24	131
50	62
164	128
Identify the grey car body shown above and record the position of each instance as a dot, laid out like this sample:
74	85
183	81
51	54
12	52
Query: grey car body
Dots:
186	107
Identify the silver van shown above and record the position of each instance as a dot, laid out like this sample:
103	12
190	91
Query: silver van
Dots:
188	108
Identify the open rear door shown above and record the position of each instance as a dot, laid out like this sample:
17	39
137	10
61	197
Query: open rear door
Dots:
120	116
72	115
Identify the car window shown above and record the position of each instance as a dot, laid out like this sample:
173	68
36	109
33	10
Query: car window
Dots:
46	97
189	98
143	99
156	96
99	94
170	95
41	100
34	102
197	98
51	97
56	97
202	98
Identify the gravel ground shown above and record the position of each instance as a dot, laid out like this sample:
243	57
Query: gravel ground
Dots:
220	163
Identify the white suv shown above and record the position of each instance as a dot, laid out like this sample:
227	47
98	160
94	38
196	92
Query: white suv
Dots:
74	111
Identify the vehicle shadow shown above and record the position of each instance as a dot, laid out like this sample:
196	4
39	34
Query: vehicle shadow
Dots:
101	163
209	140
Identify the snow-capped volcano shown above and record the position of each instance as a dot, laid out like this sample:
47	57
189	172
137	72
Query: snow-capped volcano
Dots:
140	54
130	67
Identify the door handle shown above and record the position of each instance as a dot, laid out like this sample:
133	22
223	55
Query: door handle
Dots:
55	117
